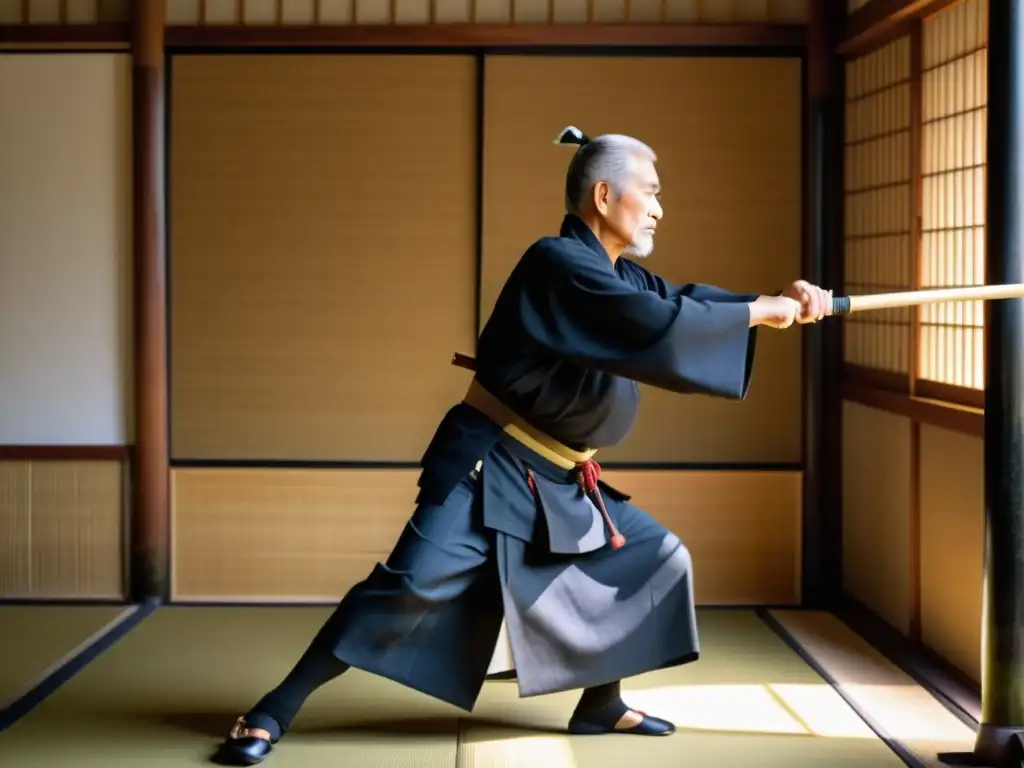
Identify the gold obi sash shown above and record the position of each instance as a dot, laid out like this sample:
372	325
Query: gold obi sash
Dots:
517	428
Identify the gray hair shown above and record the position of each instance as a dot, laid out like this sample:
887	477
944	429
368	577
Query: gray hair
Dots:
606	158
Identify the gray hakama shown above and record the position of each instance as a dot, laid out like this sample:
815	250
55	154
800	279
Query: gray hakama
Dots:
577	612
570	337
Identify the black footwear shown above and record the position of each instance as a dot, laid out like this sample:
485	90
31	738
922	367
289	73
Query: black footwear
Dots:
603	720
244	746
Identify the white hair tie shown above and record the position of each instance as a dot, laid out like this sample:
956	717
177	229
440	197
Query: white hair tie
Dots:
572	135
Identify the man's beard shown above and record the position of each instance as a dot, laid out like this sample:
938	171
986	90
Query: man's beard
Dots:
641	247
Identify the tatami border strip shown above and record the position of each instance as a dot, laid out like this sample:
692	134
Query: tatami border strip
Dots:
74	662
901	751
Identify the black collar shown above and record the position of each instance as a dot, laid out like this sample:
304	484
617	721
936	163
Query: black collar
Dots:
574	227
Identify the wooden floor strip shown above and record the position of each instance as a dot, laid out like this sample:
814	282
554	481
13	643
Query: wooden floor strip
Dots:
904	711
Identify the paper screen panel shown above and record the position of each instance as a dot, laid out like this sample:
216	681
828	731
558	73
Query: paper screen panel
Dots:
61	529
310	535
323	254
66	364
306	12
954	89
729	161
878	200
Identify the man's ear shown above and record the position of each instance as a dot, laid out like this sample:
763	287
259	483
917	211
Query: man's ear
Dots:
602	197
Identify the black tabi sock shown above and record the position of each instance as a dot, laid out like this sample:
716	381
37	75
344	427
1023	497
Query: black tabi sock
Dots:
276	710
602	699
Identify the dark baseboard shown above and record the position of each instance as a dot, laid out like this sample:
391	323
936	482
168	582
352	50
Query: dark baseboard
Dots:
75	663
954	689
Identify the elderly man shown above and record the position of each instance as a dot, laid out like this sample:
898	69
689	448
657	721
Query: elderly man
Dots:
512	521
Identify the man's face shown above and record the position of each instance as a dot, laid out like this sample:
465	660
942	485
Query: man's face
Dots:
635	214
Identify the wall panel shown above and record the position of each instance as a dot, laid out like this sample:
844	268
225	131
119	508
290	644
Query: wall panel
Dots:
742	527
727	134
284	534
65	249
952	545
877	497
323	253
277	534
61	529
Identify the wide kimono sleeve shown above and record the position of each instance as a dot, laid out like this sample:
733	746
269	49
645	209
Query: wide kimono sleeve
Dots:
696	291
576	307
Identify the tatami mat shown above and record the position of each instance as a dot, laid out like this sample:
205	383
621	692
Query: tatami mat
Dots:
902	709
36	638
167	692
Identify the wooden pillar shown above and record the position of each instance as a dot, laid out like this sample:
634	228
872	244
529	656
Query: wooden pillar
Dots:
1002	691
1000	740
822	527
150	492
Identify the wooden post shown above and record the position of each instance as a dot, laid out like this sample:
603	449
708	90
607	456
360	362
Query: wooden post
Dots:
1002	686
822	529
150	492
1000	740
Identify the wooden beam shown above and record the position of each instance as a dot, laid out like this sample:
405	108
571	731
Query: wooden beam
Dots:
120	35
957	418
65	452
914	617
876	378
831	475
822	522
489	35
150	509
90	36
880	21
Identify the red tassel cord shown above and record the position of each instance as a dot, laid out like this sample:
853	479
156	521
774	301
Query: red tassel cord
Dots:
587	475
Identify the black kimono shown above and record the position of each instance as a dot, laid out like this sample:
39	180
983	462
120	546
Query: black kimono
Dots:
500	531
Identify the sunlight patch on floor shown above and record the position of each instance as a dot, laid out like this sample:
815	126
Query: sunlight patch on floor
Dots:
822	711
526	751
799	709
